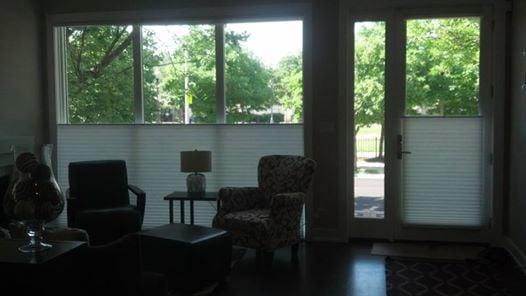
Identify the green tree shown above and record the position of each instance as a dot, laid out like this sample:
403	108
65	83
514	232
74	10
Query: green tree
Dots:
369	76
443	66
247	81
288	85
369	79
100	74
181	81
191	75
442	57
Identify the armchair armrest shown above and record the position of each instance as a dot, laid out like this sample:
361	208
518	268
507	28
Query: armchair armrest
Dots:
285	217
141	198
287	202
72	208
234	199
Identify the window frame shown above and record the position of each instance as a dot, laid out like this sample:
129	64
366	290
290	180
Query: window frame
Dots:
58	23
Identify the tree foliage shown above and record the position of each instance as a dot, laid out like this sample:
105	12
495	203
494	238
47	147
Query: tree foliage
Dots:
442	58
100	75
288	85
442	69
443	66
369	75
100	78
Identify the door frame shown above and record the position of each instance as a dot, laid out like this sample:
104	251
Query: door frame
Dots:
368	227
391	227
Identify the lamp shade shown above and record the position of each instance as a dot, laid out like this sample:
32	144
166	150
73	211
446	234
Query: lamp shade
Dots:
196	161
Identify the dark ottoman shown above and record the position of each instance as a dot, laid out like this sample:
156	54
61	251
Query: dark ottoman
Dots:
190	256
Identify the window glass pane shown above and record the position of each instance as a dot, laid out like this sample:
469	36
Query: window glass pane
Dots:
264	75
443	66
179	74
369	106
100	74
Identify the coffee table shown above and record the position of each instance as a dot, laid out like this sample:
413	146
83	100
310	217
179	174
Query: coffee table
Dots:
188	255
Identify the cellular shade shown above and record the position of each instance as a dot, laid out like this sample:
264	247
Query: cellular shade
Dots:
152	153
443	176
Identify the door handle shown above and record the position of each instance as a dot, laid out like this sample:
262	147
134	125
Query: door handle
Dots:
401	152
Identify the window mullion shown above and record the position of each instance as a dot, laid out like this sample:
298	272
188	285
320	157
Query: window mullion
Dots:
220	74
61	79
138	97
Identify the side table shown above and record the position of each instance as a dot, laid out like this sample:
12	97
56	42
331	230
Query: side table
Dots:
183	196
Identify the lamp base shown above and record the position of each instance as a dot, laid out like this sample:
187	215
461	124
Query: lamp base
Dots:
196	183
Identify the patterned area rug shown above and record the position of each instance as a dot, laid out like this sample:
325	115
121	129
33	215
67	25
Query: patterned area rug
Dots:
492	273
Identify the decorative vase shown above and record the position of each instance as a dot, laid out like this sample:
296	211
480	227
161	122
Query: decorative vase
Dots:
34	197
55	199
34	229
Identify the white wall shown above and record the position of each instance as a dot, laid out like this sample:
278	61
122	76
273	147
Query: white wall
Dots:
21	97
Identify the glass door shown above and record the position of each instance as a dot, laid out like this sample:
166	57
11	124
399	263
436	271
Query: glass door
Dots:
441	145
419	128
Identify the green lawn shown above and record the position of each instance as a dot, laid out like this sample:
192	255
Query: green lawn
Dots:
365	138
369	132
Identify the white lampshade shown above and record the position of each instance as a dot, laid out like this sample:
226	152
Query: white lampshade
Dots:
196	161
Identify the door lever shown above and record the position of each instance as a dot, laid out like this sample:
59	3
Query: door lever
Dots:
401	152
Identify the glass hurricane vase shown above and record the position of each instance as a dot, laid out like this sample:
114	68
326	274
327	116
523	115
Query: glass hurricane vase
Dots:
34	229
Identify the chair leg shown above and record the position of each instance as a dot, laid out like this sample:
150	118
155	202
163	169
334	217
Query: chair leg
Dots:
294	251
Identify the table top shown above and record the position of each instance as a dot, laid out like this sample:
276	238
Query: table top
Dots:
183	195
9	251
184	233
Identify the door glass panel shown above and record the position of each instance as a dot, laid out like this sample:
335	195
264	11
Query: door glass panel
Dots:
442	140
369	102
442	57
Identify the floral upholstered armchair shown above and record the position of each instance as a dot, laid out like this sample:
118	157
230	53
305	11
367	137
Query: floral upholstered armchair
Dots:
268	217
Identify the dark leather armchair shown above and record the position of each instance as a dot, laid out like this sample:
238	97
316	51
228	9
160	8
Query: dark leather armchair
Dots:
98	200
268	217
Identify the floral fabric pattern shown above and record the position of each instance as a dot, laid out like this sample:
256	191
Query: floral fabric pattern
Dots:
267	217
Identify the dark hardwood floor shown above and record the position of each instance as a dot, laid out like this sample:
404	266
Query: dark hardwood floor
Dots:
322	269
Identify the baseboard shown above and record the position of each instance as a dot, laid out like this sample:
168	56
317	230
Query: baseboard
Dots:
516	252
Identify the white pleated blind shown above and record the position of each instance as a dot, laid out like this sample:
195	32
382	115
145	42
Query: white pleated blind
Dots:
443	176
152	154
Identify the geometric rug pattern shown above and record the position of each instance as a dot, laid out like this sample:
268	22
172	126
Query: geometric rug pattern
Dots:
492	274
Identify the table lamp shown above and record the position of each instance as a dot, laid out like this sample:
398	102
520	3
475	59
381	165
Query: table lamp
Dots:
196	162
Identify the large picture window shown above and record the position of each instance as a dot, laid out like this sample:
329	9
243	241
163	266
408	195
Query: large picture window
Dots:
234	73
